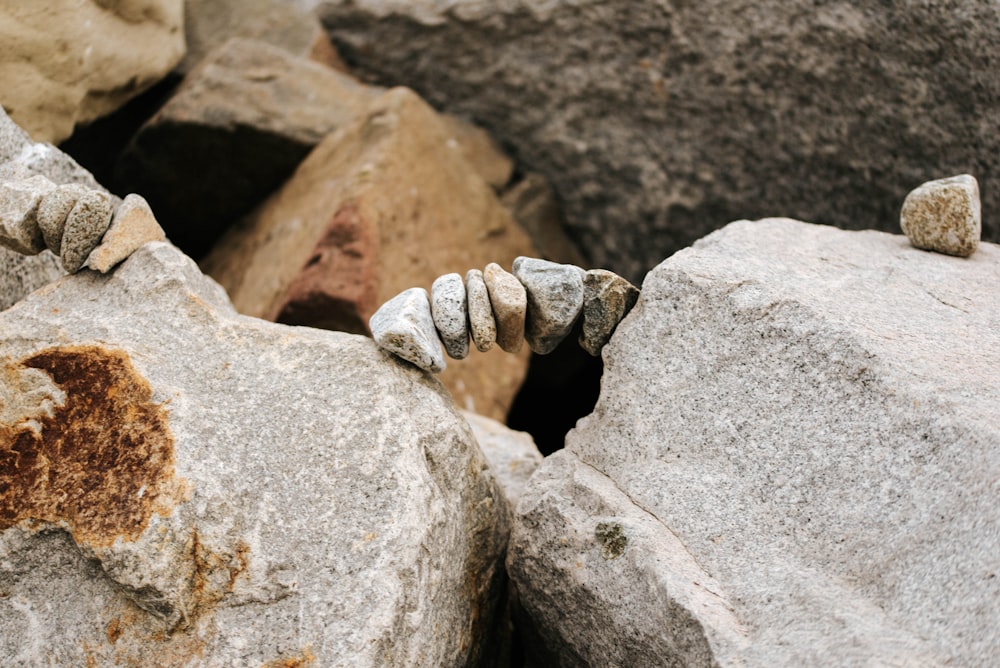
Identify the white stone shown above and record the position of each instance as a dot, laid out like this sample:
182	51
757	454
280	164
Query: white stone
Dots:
404	327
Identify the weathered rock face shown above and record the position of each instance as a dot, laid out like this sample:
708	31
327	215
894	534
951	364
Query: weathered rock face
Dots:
185	483
659	121
68	62
385	204
802	469
512	454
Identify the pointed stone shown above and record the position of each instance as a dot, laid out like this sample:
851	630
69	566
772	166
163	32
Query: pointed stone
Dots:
132	226
450	312
18	210
53	210
482	324
85	225
510	305
607	299
555	299
944	216
404	327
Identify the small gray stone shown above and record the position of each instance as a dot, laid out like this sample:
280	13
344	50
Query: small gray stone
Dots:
53	211
450	312
607	299
85	225
18	208
482	324
944	216
510	304
555	299
404	327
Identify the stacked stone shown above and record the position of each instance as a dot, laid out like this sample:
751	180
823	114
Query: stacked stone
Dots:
944	216
538	301
79	224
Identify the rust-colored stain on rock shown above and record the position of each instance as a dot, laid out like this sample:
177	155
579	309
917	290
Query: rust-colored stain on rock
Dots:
306	658
103	462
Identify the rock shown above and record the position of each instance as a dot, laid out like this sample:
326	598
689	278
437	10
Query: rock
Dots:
19	201
534	206
509	304
746	108
404	327
210	489
799	469
944	216
85	225
132	226
512	454
53	209
555	299
369	224
234	130
480	151
451	314
607	299
78	60
482	324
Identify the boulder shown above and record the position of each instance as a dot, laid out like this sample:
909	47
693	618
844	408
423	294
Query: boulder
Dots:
186	483
512	454
793	461
68	62
657	122
385	204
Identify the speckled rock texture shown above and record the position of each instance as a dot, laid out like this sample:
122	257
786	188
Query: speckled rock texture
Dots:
86	223
512	454
555	299
510	306
607	299
944	215
132	226
659	121
449	306
482	324
801	471
188	486
68	62
404	327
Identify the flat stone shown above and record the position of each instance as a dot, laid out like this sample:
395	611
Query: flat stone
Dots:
451	316
85	225
607	298
53	210
510	304
482	324
18	210
944	216
404	327
555	299
133	225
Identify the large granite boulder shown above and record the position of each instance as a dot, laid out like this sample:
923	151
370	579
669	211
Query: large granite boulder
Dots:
65	62
659	121
181	485
794	461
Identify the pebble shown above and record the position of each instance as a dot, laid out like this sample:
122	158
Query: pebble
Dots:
482	324
555	299
19	202
86	223
53	210
510	305
404	327
132	226
450	312
944	216
607	299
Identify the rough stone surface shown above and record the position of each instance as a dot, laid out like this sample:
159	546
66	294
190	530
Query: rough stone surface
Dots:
482	324
53	209
449	307
944	216
19	230
555	299
132	226
234	130
509	304
607	298
71	61
801	471
404	327
659	121
512	454
385	204
86	223
533	204
195	487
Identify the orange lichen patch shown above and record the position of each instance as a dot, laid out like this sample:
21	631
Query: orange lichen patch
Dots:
114	630
305	658
215	575
102	462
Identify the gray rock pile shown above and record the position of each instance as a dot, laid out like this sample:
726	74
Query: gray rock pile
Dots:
540	301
